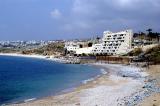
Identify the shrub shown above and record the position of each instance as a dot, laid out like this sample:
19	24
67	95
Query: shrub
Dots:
154	54
135	52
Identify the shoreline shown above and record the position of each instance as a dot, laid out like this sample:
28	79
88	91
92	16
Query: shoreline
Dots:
113	86
51	58
131	79
65	91
23	55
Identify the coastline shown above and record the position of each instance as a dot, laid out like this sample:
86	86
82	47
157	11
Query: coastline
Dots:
22	55
48	59
52	58
119	86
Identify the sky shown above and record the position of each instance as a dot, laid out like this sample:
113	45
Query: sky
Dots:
70	19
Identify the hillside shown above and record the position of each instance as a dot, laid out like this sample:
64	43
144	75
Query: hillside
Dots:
50	49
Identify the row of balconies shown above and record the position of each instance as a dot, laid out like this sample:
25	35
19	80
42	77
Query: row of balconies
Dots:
104	51
107	47
118	38
112	44
118	41
117	35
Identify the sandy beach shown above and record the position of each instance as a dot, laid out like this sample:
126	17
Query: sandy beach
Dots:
52	58
22	55
122	85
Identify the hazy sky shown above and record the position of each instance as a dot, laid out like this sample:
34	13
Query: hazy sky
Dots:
57	19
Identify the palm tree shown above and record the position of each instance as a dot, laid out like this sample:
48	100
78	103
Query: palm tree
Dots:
149	33
149	30
157	36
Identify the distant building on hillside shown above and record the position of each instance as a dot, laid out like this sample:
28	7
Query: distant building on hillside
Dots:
85	50
111	44
114	43
142	39
71	46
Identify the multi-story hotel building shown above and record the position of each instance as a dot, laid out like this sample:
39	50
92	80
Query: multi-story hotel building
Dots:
114	43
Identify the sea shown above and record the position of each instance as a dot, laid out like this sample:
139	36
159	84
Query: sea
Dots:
23	79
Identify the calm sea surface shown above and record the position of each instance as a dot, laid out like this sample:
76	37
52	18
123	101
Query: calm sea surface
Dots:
24	78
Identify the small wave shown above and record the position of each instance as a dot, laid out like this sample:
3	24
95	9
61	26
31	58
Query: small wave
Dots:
103	71
88	80
28	100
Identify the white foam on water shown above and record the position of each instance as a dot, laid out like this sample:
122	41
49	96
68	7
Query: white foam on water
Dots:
28	100
88	80
103	71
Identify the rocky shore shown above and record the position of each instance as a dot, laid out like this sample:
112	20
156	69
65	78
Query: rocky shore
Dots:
153	87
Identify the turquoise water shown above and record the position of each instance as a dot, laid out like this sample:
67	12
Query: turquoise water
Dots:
24	78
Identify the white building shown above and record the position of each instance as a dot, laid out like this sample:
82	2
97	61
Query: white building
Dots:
111	44
97	48
71	46
86	50
114	43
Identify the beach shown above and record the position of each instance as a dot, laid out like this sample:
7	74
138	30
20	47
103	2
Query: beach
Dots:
23	55
122	85
52	58
154	99
25	77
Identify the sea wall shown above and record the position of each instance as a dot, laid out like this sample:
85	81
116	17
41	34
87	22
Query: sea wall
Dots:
113	60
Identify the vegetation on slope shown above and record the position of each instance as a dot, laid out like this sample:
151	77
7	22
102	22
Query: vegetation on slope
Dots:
153	54
50	49
135	52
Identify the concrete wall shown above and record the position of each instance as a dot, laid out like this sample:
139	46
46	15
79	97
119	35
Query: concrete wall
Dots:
86	50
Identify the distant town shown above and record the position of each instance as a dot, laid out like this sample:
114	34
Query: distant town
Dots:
122	43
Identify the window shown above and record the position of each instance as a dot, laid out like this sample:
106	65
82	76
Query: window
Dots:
114	35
